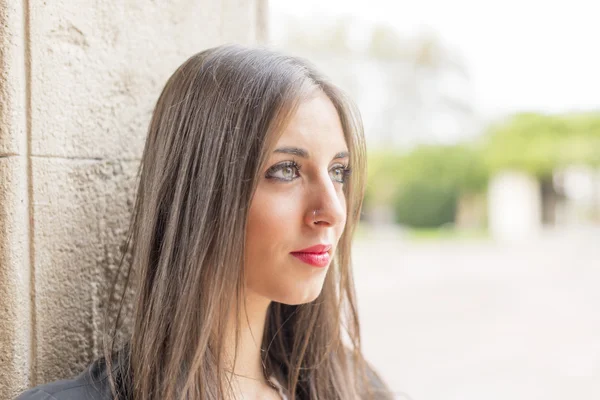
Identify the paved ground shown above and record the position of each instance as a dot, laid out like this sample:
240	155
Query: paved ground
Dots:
480	320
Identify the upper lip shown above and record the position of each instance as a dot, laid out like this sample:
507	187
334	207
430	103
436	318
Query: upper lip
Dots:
319	248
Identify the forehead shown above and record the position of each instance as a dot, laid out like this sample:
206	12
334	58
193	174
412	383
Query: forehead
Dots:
315	124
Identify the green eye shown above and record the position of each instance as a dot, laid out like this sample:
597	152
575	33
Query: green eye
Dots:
340	173
287	171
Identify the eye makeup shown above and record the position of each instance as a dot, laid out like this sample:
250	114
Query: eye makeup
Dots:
293	166
282	166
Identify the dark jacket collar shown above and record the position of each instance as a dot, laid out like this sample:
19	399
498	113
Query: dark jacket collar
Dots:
91	384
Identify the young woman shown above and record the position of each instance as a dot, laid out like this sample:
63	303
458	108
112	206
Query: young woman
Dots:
251	185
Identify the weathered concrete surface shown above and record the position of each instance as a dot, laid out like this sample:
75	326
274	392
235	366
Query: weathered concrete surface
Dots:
12	78
83	238
77	88
15	317
474	320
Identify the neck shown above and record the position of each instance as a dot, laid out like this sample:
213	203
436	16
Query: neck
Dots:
248	357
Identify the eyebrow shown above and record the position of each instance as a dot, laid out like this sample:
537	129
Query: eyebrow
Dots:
304	154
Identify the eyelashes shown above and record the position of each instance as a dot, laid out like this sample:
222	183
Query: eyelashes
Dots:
288	171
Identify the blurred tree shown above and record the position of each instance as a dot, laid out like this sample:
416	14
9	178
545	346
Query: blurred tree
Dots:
538	144
424	205
424	185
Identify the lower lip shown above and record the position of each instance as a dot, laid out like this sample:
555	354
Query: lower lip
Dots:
315	259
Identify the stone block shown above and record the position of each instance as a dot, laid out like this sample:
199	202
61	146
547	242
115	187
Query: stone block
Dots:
81	213
97	70
12	78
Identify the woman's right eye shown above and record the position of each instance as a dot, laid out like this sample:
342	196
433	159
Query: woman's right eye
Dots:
286	171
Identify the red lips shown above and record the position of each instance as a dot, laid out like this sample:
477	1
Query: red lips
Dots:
320	248
316	256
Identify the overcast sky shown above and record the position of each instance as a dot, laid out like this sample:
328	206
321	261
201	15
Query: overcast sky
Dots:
521	54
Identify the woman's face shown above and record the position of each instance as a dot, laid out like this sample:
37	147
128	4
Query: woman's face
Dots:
305	172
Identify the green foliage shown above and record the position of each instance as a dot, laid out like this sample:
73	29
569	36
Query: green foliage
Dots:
423	185
425	205
538	144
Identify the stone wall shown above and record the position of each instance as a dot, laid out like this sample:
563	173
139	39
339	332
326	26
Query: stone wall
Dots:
78	82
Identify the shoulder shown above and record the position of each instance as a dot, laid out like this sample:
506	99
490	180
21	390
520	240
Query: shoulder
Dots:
91	384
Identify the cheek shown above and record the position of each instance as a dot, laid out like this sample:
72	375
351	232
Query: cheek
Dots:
271	214
271	233
272	222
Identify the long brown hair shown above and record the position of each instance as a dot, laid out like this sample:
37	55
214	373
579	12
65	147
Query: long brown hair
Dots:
215	121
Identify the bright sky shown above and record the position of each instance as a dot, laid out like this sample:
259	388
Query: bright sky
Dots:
535	55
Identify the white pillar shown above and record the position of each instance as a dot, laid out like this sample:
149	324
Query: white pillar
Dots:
514	206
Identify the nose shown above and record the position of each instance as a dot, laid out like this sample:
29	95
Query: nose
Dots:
329	204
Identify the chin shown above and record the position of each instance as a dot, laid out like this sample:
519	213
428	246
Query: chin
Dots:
297	297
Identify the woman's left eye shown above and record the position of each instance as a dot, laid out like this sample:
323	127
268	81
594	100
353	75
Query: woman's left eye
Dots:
340	173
